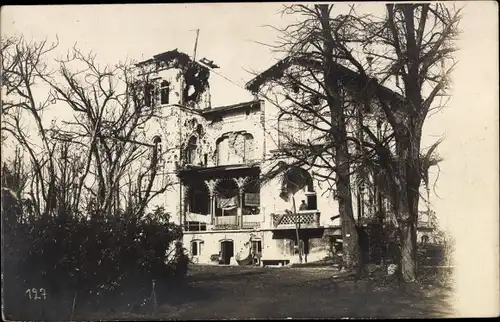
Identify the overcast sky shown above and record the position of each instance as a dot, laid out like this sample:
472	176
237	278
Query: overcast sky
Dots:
468	179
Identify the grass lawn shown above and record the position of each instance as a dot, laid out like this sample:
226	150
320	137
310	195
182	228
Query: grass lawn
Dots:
245	293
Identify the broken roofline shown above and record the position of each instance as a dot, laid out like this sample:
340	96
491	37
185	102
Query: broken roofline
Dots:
254	104
182	59
277	69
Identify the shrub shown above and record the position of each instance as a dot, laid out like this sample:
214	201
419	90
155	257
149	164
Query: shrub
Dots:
93	260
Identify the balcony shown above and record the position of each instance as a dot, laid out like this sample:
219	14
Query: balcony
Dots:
424	220
303	219
233	222
424	224
251	221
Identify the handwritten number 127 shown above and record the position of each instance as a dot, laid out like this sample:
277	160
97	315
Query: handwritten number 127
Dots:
33	294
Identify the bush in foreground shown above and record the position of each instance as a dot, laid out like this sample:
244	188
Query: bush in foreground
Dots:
73	263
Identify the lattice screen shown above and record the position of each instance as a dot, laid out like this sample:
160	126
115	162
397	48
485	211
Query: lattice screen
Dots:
294	219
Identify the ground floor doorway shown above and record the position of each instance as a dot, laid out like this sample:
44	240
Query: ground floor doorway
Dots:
227	251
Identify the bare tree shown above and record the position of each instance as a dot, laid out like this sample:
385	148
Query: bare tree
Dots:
99	154
15	175
22	68
412	43
308	88
415	44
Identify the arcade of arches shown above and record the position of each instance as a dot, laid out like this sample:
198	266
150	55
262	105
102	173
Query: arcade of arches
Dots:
225	201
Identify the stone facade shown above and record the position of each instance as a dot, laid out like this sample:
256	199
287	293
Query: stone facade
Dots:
212	159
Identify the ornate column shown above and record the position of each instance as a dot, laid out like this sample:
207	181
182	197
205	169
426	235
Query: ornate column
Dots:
240	208
211	184
212	208
240	182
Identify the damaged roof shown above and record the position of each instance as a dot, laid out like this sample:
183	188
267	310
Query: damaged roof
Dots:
174	57
254	104
276	71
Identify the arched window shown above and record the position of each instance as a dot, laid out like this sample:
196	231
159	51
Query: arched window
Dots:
227	201
297	179
155	157
199	129
235	148
222	150
158	147
191	150
290	130
164	92
424	239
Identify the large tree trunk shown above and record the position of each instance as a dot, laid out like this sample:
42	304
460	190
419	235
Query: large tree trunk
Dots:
411	148
408	251
350	243
410	233
407	212
350	240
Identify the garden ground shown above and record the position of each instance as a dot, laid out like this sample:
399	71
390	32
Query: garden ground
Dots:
216	292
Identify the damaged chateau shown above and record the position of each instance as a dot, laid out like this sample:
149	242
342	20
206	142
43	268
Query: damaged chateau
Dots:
214	157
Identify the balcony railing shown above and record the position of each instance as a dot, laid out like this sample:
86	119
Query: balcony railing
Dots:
226	222
251	221
424	224
303	218
233	222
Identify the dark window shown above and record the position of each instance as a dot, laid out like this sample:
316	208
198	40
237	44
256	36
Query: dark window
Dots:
194	248
149	94
157	148
312	203
164	92
191	150
256	246
199	129
303	247
205	159
299	247
199	200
